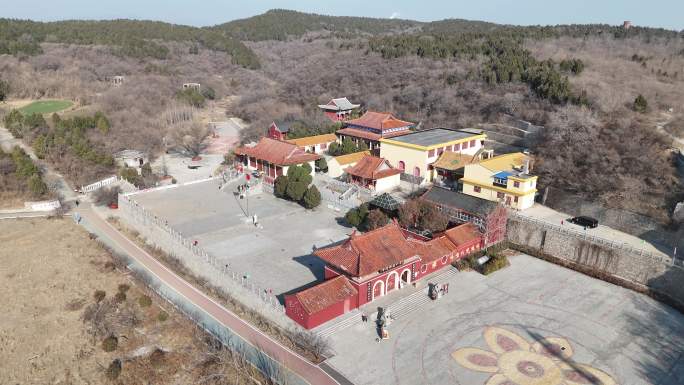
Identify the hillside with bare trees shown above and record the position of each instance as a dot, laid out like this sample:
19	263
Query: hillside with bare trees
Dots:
579	82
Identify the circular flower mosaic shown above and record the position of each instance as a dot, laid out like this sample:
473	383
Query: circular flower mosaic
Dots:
514	361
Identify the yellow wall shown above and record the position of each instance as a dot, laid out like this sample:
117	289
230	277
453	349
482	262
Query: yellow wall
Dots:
417	156
478	176
411	157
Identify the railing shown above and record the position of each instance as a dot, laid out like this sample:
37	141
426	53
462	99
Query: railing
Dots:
662	258
222	271
99	184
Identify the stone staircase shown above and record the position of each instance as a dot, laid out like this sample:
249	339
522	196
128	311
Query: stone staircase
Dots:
398	309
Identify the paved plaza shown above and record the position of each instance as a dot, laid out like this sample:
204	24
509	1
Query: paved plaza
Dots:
276	255
531	323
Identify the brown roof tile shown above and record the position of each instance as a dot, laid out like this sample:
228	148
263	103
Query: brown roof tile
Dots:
277	152
363	254
463	233
379	121
326	294
372	167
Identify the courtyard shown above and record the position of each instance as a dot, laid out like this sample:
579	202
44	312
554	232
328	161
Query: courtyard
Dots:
276	255
531	323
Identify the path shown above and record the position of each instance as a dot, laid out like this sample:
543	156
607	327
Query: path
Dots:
53	179
313	374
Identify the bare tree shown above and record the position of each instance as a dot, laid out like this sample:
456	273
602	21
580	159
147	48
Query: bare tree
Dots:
189	137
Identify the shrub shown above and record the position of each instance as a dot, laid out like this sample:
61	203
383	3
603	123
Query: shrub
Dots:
496	262
120	297
173	181
352	217
312	197
110	344
322	165
123	288
99	295
640	104
114	369
162	316
462	264
145	301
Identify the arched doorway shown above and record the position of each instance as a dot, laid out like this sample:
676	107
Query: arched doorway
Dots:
392	281
378	289
416	171
406	276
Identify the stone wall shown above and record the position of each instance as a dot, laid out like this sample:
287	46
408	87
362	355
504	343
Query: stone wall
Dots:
625	266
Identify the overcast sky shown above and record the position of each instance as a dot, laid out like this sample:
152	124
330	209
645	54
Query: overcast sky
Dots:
657	13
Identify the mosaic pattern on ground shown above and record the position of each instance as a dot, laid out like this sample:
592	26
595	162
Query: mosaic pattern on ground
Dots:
512	360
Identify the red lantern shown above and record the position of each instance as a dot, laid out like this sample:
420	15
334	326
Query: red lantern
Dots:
247	176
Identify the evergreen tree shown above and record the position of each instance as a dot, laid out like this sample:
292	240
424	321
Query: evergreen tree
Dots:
640	104
280	186
312	197
4	90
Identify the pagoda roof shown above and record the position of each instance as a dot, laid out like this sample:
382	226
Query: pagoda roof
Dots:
277	152
385	201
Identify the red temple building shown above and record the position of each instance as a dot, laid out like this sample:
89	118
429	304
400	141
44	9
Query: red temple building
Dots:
278	130
273	157
369	265
338	109
373	126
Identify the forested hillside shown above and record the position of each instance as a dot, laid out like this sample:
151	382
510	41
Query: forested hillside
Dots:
279	24
138	39
599	90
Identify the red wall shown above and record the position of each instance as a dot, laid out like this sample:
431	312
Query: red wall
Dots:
273	133
295	310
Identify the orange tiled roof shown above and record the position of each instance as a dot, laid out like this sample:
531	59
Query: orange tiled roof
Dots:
363	254
372	167
313	140
277	152
326	294
433	249
463	233
379	121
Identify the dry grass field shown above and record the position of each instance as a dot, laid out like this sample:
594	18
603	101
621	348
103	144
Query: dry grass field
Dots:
52	328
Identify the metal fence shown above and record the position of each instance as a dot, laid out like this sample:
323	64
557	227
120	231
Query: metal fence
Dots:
583	235
222	271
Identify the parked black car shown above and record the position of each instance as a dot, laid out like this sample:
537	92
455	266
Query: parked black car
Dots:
585	221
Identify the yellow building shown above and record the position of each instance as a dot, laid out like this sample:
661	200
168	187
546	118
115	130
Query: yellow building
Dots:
503	178
337	164
414	153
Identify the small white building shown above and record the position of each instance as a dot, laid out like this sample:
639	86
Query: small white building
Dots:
374	173
131	158
192	86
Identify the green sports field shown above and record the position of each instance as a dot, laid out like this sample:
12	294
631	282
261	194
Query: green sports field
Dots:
46	106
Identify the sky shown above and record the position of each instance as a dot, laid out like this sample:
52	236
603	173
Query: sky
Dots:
654	13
